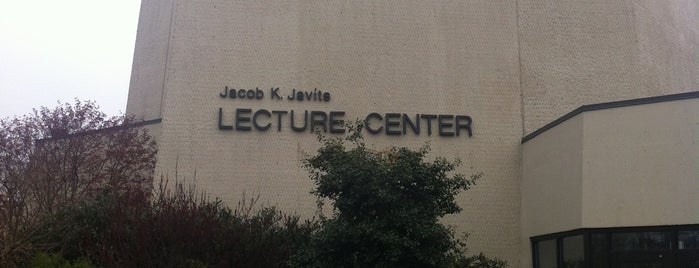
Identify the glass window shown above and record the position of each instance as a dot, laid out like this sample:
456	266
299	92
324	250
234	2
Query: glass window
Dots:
546	254
574	252
623	247
688	240
600	250
641	241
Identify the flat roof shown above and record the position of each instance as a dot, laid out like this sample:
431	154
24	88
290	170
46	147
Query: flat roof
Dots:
609	105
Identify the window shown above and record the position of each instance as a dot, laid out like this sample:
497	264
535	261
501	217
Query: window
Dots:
641	241
688	240
599	256
652	246
546	251
573	252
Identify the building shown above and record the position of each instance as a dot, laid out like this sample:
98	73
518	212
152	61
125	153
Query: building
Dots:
615	184
220	80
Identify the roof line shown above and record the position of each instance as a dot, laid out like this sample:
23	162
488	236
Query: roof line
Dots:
609	105
96	131
147	122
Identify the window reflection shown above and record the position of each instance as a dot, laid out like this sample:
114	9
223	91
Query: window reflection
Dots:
547	254
641	241
600	249
632	247
688	240
574	252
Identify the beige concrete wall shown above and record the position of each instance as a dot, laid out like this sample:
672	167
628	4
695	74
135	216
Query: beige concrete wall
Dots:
513	66
582	52
642	165
551	183
150	60
628	166
409	57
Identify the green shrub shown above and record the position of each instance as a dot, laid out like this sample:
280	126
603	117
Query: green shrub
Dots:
177	228
45	260
479	261
386	207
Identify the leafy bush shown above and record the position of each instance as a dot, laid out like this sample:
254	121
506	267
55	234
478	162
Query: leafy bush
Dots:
178	228
44	260
386	207
478	261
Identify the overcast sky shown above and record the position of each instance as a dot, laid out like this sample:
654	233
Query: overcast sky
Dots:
60	50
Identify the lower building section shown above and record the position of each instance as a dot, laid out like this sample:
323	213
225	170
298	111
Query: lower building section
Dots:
673	246
608	166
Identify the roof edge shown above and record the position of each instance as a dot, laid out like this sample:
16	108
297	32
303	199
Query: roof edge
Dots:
609	105
97	131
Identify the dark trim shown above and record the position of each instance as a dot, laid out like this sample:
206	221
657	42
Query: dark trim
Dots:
608	105
147	122
587	249
96	131
651	228
550	236
559	251
535	253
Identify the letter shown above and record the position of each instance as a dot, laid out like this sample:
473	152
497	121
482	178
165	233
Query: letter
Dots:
319	118
391	122
254	120
293	94
274	93
241	93
368	127
279	118
251	94
466	126
320	95
239	119
414	126
305	122
326	96
309	95
232	93
337	122
259	94
444	125
224	94
299	96
221	126
429	118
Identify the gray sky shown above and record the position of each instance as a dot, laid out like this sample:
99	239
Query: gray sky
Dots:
60	50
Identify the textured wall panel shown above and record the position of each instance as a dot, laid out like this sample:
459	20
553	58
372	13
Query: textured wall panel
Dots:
150	60
583	52
513	66
372	56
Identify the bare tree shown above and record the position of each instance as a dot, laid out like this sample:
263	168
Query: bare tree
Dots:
57	157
